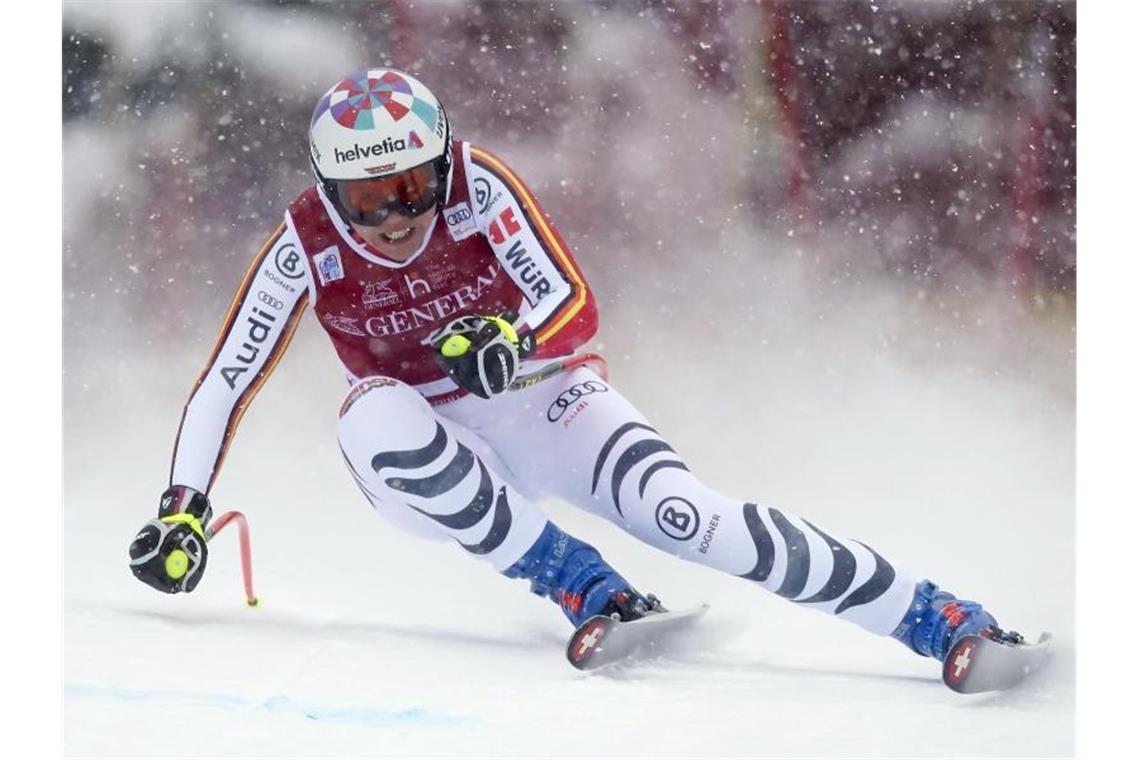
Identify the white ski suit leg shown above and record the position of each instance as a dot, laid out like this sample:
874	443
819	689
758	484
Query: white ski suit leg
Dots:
577	438
431	476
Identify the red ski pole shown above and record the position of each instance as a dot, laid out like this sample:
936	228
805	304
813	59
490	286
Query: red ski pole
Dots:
596	362
243	541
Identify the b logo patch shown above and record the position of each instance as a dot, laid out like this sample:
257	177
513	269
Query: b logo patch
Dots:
678	518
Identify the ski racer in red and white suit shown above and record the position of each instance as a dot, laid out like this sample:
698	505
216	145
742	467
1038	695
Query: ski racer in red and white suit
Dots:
486	256
434	309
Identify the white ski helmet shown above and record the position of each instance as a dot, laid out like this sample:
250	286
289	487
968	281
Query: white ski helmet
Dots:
376	123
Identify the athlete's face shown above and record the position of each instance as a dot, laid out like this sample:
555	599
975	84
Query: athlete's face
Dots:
398	236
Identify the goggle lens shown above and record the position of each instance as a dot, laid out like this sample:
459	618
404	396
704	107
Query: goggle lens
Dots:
368	202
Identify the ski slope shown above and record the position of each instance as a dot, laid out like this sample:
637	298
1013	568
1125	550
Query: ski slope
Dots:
955	461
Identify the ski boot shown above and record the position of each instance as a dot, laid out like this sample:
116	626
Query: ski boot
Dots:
629	605
936	620
573	575
976	655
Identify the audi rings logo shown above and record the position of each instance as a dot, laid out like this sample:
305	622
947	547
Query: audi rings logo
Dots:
288	262
567	398
269	300
677	518
459	216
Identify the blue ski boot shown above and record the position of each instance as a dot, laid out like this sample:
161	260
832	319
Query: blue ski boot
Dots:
573	575
936	620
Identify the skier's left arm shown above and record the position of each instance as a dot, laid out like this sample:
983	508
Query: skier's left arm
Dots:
560	313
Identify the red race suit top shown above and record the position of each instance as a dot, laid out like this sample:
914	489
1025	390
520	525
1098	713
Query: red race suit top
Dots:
490	248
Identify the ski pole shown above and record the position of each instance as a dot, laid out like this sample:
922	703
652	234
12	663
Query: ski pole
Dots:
596	362
212	530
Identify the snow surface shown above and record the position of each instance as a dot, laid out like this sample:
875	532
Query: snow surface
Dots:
941	434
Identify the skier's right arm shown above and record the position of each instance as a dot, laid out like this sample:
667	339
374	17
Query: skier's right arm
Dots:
169	552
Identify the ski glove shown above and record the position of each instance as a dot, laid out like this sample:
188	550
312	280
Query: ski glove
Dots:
481	352
169	553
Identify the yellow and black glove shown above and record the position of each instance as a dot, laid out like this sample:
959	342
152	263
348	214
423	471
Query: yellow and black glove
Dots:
169	552
481	352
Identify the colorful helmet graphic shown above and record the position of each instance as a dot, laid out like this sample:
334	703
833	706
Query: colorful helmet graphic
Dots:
377	122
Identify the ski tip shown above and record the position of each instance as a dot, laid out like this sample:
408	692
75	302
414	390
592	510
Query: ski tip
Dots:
977	663
587	639
587	648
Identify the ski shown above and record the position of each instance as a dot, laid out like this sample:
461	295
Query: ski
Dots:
604	640
993	663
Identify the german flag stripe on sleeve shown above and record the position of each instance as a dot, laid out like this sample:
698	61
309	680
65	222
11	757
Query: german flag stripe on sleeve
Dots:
548	237
227	325
254	387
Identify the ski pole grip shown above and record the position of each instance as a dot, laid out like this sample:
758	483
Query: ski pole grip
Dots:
222	521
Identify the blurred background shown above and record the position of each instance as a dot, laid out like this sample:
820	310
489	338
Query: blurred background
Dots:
833	243
928	144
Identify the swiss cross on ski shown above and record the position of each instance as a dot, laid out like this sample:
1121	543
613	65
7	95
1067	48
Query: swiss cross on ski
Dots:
586	638
962	661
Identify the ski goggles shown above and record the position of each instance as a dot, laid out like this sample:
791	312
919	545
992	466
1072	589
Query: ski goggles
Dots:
368	202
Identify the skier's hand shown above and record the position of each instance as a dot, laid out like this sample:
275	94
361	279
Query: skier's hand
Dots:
169	552
481	353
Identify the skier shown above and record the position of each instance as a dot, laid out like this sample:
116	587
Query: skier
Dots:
440	280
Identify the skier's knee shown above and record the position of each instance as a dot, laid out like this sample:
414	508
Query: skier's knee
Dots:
377	403
373	391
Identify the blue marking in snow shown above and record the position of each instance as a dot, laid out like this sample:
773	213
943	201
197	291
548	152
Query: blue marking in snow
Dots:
366	715
280	704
